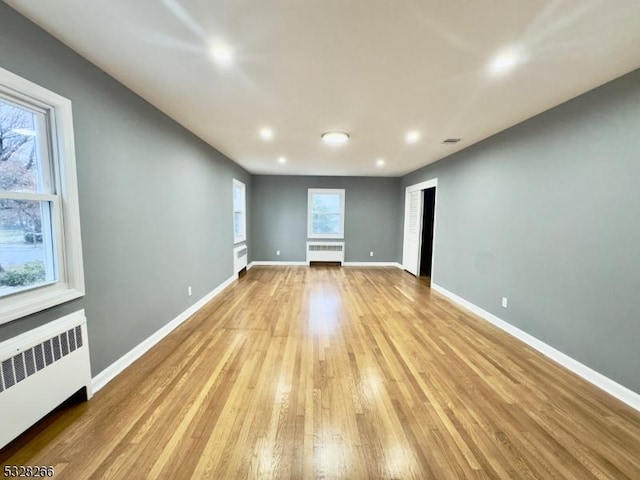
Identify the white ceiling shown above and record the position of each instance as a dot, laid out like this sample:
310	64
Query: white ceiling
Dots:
372	68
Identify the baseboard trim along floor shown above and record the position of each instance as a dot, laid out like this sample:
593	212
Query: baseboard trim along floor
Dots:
113	370
613	388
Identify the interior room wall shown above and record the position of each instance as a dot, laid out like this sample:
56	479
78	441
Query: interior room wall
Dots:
155	201
546	214
279	211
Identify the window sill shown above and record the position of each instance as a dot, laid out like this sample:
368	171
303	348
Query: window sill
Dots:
26	303
326	236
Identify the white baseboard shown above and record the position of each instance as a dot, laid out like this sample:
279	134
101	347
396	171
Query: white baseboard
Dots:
371	264
344	264
613	388
113	370
279	263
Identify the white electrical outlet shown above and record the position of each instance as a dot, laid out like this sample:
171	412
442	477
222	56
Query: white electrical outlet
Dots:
371	253
504	302
278	252
189	292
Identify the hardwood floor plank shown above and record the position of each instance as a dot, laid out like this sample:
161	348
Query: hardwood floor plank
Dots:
328	372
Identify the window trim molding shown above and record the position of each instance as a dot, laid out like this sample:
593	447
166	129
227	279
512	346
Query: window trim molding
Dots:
240	238
311	192
70	263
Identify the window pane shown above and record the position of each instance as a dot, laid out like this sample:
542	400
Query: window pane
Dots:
239	208
237	197
26	246
326	223
238	224
19	162
326	203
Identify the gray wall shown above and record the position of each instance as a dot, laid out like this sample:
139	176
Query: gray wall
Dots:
155	201
372	212
547	214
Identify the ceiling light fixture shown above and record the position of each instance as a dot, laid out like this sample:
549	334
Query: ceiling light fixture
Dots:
412	136
380	162
335	138
221	54
505	60
282	160
266	133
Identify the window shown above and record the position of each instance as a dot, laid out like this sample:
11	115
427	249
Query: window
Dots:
239	212
40	249
326	213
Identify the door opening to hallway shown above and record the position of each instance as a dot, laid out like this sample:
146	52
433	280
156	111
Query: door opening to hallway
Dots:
419	229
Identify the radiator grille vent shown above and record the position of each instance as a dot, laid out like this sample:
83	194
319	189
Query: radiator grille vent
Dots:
241	253
25	364
326	248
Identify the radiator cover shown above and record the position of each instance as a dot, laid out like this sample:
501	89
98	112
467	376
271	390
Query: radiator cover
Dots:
325	252
39	370
240	255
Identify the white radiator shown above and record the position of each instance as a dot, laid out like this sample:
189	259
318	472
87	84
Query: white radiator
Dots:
325	252
40	369
240	258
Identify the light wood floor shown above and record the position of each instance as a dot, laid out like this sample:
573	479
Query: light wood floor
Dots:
333	373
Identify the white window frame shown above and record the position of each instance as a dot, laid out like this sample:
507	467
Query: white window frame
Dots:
329	191
64	201
243	188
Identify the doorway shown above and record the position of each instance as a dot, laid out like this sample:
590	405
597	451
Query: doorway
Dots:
419	229
426	248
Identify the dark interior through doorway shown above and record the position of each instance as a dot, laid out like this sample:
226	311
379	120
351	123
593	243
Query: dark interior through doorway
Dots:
426	249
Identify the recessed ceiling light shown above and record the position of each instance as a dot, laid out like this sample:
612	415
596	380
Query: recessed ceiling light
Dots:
282	160
266	133
505	60
412	136
221	54
335	138
380	162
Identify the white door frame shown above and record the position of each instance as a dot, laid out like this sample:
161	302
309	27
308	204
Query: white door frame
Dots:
406	244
